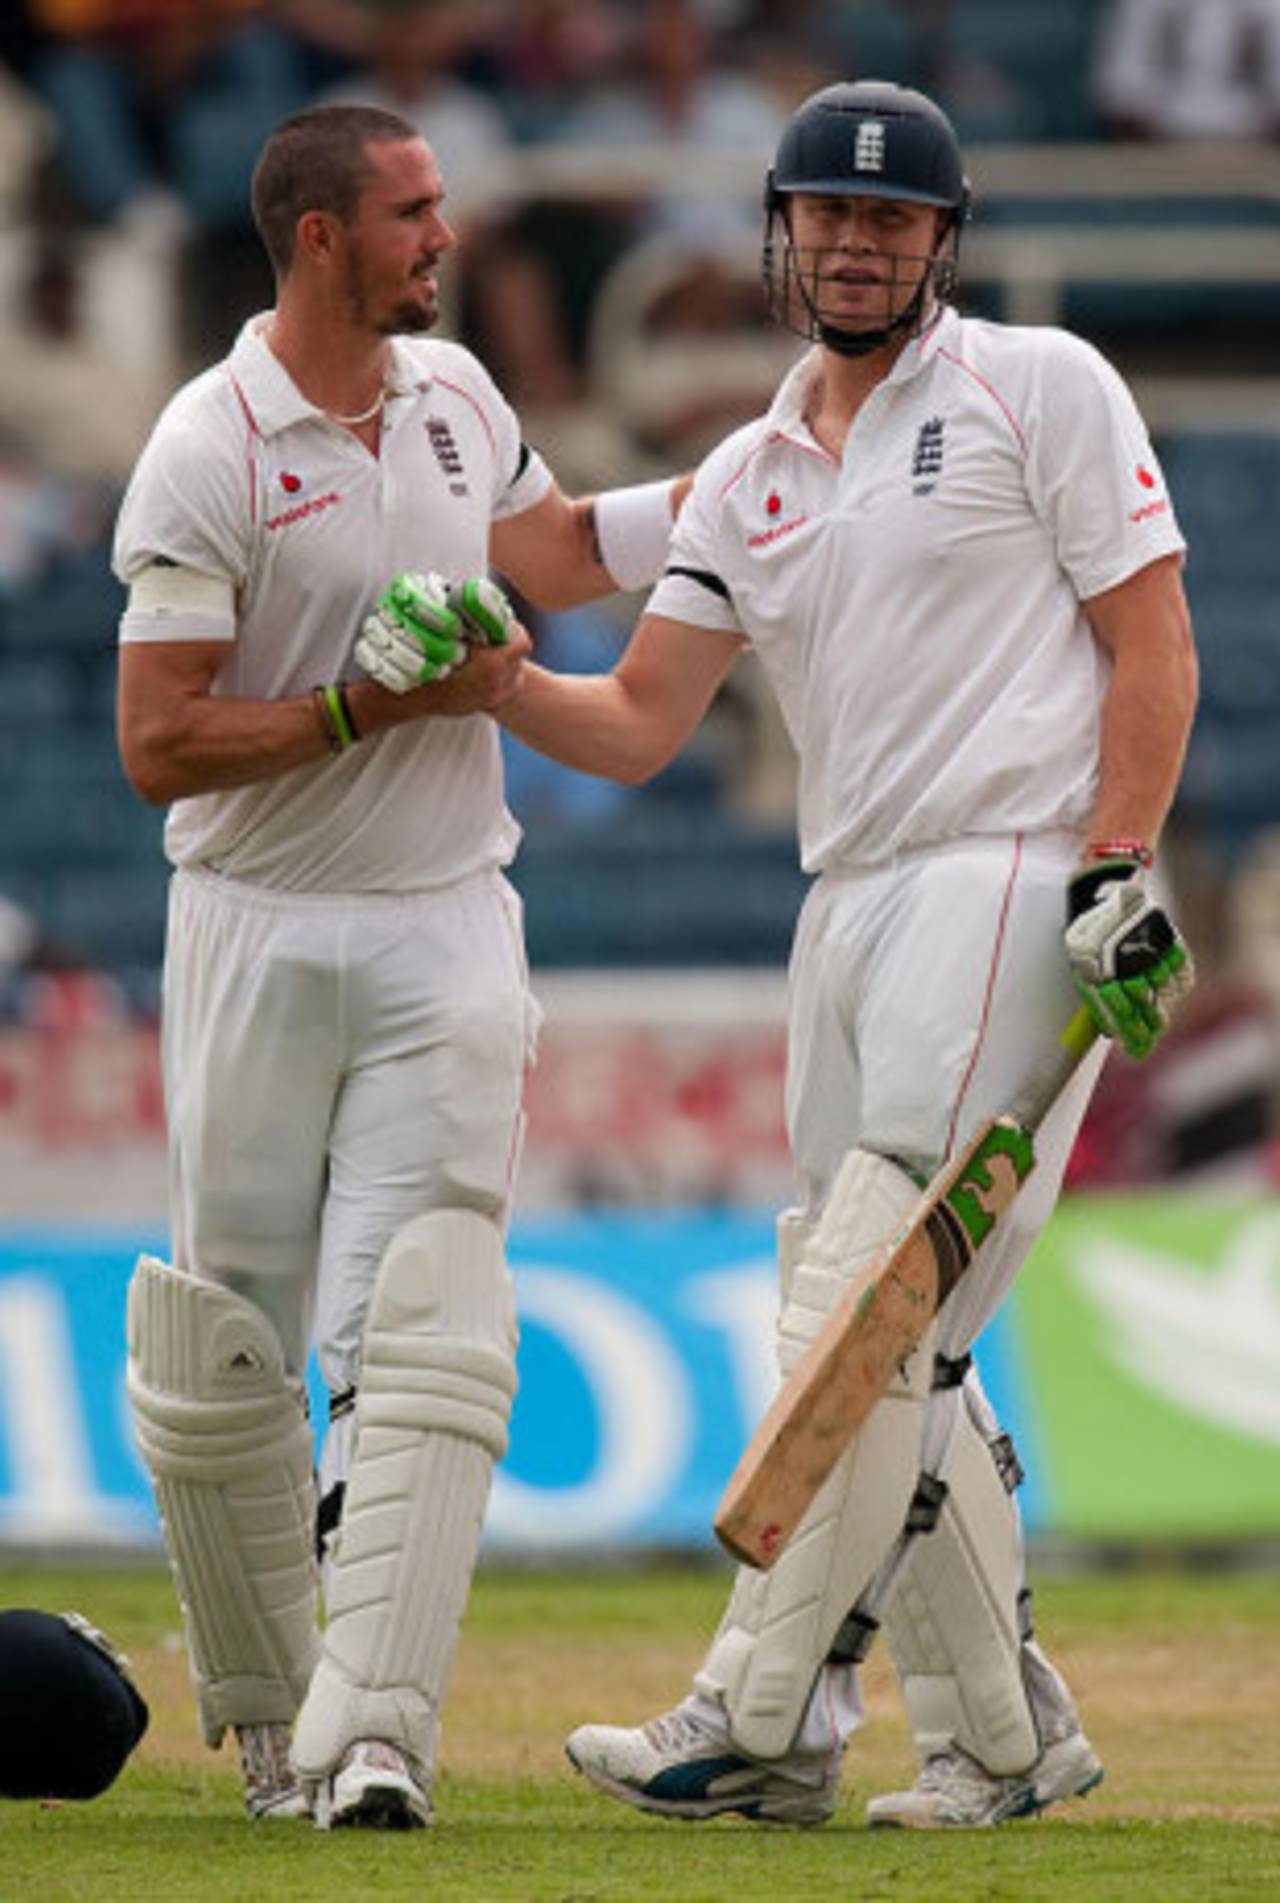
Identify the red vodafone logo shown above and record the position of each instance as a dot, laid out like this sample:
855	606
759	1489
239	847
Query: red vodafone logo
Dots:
290	483
1159	505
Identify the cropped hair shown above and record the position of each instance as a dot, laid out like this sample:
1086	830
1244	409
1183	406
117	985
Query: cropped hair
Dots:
317	161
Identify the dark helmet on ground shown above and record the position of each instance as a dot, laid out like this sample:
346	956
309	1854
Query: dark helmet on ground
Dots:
71	1712
869	138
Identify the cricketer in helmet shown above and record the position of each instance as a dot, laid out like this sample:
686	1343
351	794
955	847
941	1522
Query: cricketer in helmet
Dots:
71	1712
848	262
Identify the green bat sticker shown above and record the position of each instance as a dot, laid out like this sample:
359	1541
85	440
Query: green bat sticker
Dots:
1007	1151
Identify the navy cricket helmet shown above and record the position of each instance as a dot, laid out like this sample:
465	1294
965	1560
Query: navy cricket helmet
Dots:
71	1712
870	138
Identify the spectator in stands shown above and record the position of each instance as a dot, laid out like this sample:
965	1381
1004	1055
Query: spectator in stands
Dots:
669	87
19	938
130	82
53	374
552	53
409	60
681	94
48	984
1186	69
25	131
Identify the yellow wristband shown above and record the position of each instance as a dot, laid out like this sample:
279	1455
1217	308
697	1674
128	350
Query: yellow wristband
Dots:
340	717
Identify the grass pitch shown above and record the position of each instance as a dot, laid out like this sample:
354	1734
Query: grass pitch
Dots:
1178	1678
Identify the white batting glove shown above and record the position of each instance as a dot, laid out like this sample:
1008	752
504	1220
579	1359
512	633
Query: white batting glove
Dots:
414	636
1129	960
421	628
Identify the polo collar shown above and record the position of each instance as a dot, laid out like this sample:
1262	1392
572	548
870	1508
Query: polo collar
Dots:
271	396
790	404
923	348
791	400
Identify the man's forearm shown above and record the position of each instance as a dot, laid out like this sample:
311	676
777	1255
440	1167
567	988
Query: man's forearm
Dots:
586	721
1146	719
185	744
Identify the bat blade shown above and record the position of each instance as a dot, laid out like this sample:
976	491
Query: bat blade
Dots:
883	1315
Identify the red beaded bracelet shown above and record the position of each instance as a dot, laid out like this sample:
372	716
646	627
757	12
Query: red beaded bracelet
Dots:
1120	849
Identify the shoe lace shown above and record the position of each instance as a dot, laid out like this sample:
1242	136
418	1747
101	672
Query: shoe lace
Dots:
955	1774
678	1731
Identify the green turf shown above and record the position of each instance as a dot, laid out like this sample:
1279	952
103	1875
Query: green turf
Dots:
1190	1810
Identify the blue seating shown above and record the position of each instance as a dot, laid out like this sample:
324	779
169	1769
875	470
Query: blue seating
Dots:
77	604
1231	786
664	884
115	916
1226	489
1043	50
38	690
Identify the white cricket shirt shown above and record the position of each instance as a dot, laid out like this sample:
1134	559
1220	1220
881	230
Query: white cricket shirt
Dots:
245	480
916	606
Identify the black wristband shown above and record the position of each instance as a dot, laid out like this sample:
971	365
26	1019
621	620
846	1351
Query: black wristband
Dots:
1083	887
341	692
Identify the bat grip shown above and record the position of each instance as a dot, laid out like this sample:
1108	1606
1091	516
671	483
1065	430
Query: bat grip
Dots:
1047	1079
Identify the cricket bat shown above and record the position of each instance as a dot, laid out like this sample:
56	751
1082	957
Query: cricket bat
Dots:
881	1318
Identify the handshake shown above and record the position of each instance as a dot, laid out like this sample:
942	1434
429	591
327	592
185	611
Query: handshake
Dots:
424	627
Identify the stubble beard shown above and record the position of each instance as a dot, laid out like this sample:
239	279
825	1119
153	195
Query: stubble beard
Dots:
407	319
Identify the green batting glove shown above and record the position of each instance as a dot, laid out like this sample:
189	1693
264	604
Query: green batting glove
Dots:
487	616
414	636
1128	959
421	605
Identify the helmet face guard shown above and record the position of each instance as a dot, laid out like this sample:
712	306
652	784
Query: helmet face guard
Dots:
868	139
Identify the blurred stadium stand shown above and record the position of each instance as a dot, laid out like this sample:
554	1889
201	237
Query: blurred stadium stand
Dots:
1167	255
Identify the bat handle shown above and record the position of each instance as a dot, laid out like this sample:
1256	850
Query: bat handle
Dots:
1074	1042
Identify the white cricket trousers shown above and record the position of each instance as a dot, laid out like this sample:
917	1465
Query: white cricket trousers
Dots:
922	993
334	1066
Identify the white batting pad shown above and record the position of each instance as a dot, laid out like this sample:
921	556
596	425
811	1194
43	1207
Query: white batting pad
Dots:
436	1387
225	1437
952	1620
779	1625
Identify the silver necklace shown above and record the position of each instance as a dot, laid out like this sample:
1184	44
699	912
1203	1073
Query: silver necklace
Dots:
365	416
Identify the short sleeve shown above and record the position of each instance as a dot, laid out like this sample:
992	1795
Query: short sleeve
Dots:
1092	475
527	486
188	502
520	477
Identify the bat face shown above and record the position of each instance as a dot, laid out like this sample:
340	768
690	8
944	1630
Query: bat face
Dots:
987	1179
864	1341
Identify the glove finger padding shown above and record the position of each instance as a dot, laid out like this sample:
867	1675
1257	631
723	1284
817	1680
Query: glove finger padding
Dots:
485	614
420	604
1129	962
393	655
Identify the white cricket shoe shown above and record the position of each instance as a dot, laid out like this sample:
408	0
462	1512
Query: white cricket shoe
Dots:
375	1787
684	1765
271	1787
954	1792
